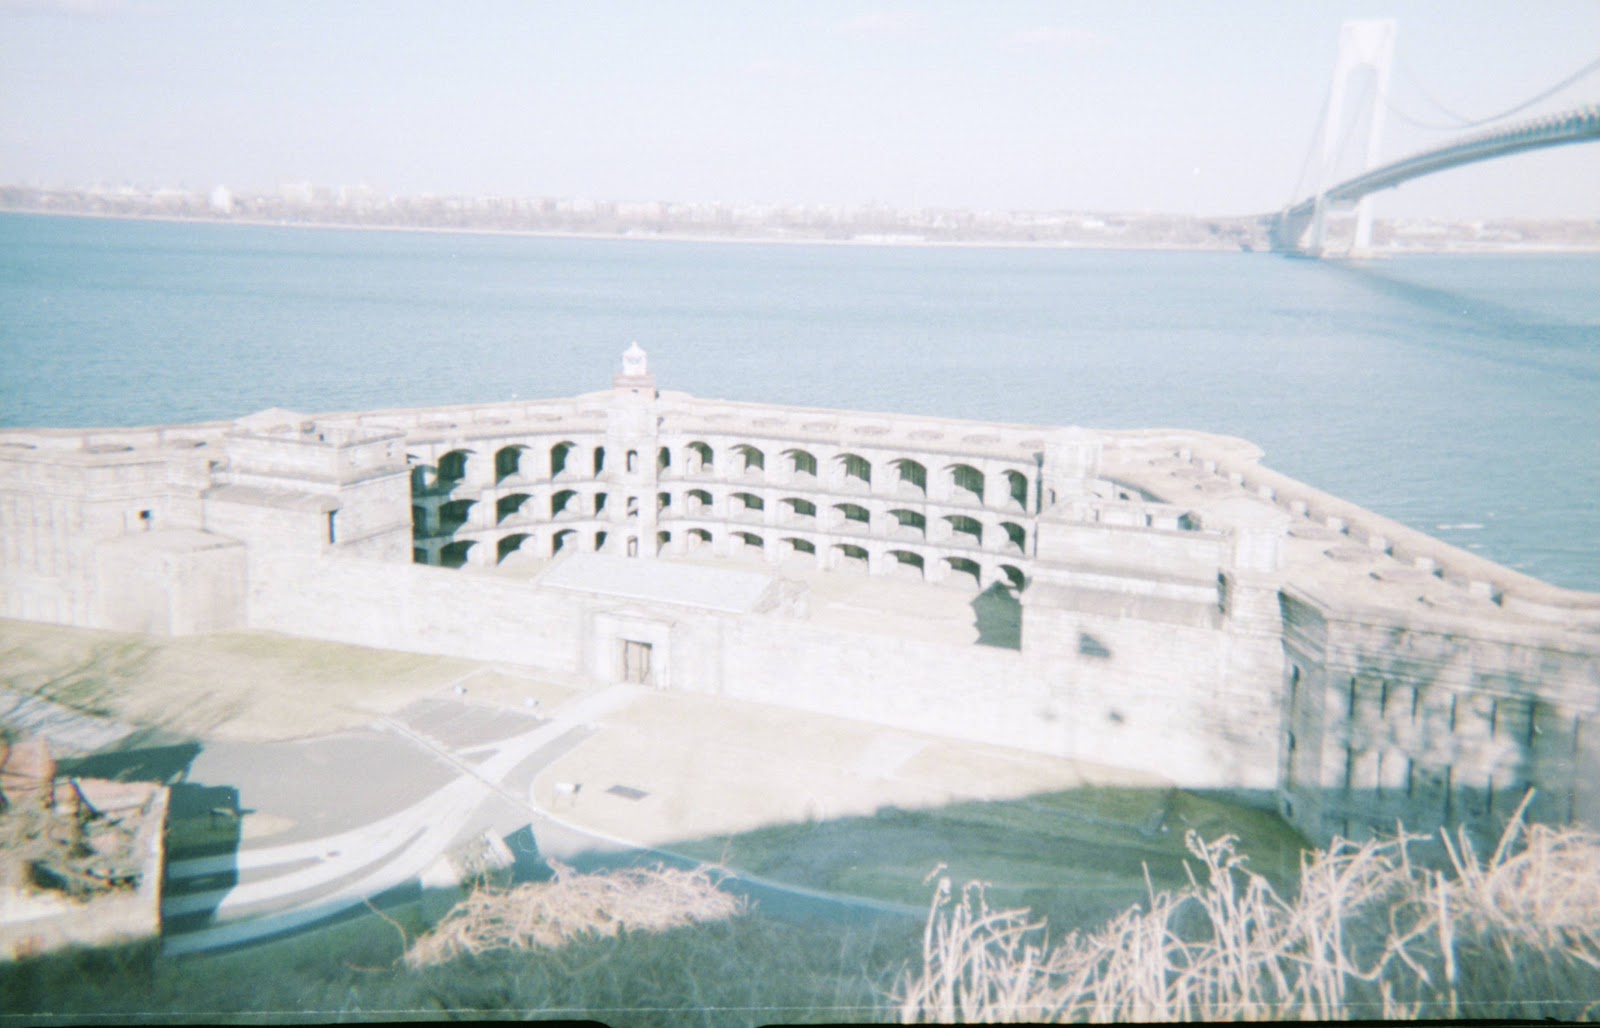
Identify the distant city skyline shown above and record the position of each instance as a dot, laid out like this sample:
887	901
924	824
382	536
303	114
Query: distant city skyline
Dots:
1205	109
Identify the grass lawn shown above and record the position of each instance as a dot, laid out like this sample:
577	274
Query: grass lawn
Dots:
1077	856
244	686
749	970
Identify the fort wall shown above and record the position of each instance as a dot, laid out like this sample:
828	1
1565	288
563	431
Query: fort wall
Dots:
1184	610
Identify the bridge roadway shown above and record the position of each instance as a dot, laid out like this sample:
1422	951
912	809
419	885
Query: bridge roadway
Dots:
1579	125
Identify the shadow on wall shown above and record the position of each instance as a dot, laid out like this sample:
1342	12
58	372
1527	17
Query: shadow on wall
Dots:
999	617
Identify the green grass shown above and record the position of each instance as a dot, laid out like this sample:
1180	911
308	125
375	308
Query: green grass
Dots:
1076	856
750	970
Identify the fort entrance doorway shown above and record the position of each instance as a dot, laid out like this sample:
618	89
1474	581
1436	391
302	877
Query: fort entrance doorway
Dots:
636	662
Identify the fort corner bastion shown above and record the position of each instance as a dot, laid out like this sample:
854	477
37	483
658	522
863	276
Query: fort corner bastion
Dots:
1183	609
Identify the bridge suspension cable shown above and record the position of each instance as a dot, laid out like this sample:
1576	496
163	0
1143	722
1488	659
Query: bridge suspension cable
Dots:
1462	122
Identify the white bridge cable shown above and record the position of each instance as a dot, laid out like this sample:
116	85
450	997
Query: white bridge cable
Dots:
1461	122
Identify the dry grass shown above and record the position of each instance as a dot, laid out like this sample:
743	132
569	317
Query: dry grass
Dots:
1371	933
571	907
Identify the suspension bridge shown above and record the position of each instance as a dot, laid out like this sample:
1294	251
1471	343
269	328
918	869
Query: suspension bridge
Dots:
1301	228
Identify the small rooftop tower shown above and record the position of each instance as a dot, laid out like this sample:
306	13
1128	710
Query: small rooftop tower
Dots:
636	377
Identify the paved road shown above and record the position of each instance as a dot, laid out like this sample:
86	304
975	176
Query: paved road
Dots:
369	810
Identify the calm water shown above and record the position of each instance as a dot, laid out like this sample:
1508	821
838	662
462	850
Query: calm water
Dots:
1457	394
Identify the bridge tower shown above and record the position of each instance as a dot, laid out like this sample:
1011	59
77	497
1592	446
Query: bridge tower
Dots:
1362	44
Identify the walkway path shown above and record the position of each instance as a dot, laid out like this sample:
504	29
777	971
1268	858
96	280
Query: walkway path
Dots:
287	886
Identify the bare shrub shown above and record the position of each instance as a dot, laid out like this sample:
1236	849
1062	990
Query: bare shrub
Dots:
1371	933
574	906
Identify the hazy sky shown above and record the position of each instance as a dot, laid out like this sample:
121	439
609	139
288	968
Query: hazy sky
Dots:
1191	107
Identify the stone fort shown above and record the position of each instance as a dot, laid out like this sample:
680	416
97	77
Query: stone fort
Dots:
1175	606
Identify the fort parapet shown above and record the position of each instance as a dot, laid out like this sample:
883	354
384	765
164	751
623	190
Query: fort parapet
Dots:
1184	610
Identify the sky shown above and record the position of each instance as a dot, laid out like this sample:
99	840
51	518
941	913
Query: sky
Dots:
1200	107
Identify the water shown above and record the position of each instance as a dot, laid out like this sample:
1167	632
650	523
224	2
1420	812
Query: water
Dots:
1460	395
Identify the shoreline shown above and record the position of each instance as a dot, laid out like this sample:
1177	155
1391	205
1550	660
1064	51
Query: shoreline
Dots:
905	242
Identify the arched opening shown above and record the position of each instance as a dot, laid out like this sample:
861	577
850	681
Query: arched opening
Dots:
453	515
454	555
1014	575
663	459
558	457
913	475
633	462
793	546
795	507
966	482
961	567
965	526
599	460
600	502
452	468
908	563
699	500
508	505
600	541
911	521
854	515
753	461
508	545
663	540
633	546
1016	535
699	538
1017	486
698	459
857	470
801	462
663	501
850	558
563	503
747	503
751	544
507	462
560	539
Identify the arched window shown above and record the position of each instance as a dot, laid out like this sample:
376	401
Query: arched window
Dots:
558	457
1017	485
748	502
452	467
599	460
912	474
1017	535
633	462
508	505
964	566
562	502
967	480
699	458
509	545
857	469
507	462
911	520
754	459
801	462
854	514
800	508
965	526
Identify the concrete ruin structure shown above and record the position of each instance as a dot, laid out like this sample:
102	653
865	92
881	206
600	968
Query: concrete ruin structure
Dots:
80	858
1184	610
